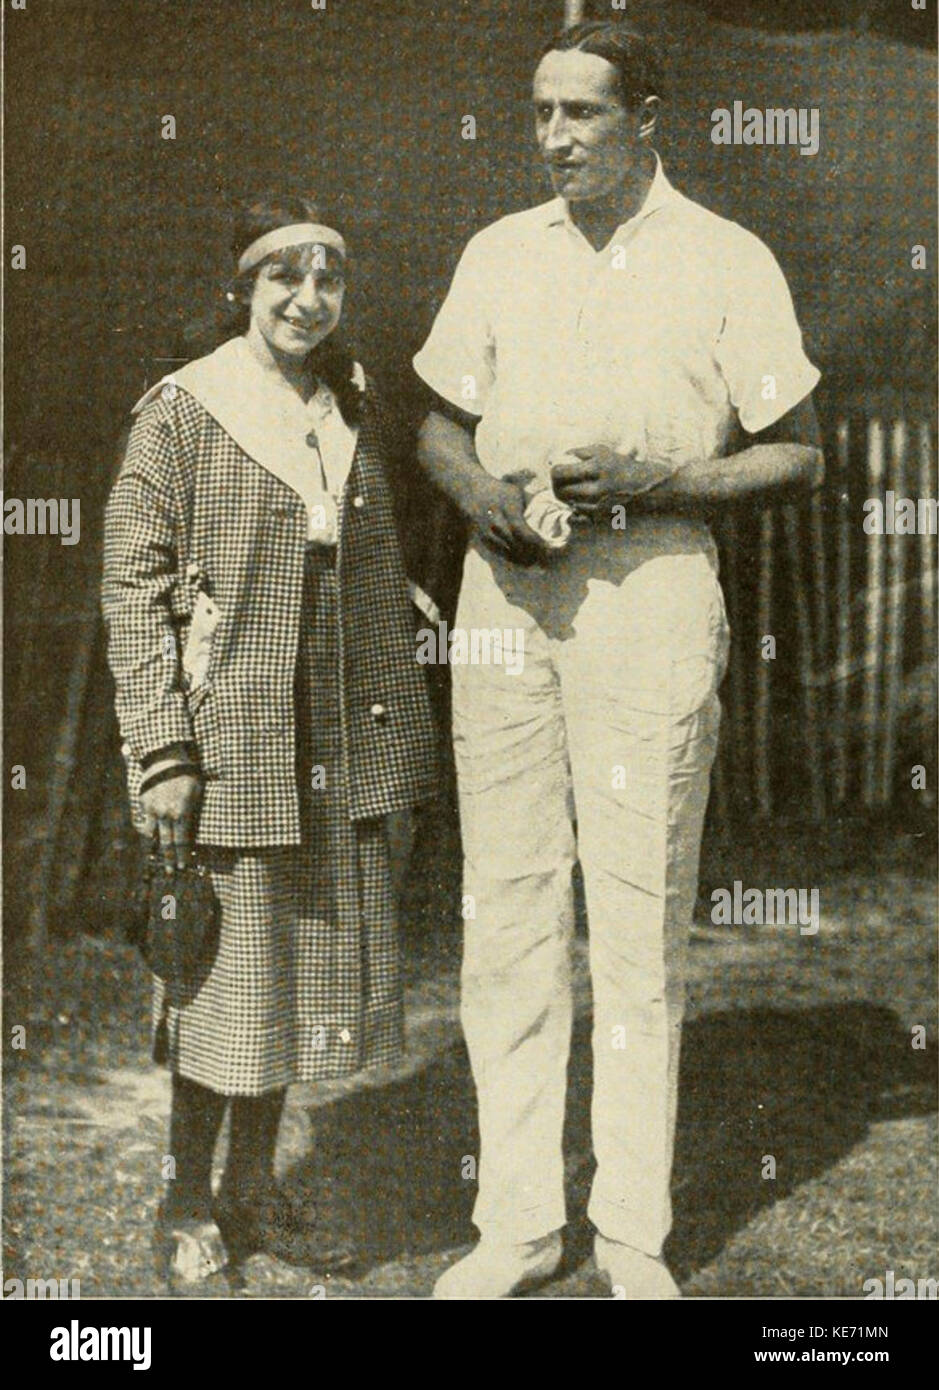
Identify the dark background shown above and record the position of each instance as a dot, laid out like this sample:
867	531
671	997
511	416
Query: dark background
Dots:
361	104
126	233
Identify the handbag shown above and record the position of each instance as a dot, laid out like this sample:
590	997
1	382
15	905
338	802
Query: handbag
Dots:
175	917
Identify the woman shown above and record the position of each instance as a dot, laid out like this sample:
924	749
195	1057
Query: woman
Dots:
262	647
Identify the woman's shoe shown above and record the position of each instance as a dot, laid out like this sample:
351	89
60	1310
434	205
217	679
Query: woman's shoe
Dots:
191	1254
272	1224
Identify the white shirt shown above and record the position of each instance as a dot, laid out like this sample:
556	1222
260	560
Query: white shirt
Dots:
653	343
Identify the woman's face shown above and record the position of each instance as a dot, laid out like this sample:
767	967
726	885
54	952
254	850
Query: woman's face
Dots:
296	301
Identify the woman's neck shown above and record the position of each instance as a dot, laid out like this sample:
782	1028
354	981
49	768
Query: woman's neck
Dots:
293	371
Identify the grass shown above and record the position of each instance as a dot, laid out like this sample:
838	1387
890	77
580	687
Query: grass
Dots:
798	1048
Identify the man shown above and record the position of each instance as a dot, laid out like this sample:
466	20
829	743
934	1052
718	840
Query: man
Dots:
641	354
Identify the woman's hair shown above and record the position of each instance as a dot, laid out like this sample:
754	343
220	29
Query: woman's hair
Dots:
331	361
635	58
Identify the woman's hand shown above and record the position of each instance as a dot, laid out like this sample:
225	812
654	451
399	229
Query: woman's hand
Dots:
171	807
497	510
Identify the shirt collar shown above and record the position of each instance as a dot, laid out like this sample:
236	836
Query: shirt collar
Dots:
660	193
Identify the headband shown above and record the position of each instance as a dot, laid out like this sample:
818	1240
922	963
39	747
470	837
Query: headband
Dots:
298	234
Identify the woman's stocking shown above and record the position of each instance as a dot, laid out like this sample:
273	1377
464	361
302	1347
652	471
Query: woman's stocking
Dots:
195	1120
255	1121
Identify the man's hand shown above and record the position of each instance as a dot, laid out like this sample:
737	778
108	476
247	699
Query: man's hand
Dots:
497	510
596	478
171	808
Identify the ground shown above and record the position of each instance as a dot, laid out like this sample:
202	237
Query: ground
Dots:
797	1047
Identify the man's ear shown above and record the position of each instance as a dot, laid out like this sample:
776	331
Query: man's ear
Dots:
648	116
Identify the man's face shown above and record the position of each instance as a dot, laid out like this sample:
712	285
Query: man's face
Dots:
587	137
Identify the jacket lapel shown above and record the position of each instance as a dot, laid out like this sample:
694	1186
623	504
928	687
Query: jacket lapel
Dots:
269	426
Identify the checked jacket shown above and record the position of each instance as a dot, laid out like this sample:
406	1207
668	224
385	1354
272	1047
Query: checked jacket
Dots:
191	509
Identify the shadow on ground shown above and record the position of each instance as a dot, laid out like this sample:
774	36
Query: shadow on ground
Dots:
802	1086
794	1047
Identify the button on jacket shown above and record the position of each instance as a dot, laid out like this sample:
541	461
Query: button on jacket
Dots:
190	509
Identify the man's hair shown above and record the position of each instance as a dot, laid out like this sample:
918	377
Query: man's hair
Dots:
635	59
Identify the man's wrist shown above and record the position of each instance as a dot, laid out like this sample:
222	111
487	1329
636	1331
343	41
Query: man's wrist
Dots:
665	492
477	493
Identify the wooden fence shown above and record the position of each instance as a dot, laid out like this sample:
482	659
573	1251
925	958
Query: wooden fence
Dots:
846	707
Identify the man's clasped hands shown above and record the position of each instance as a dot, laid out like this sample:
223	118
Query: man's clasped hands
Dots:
525	520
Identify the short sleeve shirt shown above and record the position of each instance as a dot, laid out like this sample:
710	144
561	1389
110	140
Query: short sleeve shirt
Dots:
657	343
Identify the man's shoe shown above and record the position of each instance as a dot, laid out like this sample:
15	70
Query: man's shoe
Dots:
633	1273
498	1270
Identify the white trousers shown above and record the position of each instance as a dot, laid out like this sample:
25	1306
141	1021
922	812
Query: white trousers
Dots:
599	748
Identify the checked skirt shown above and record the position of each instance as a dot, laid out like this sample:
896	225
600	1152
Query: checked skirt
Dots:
306	984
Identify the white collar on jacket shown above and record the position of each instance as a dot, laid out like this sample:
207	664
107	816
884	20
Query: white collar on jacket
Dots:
270	424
